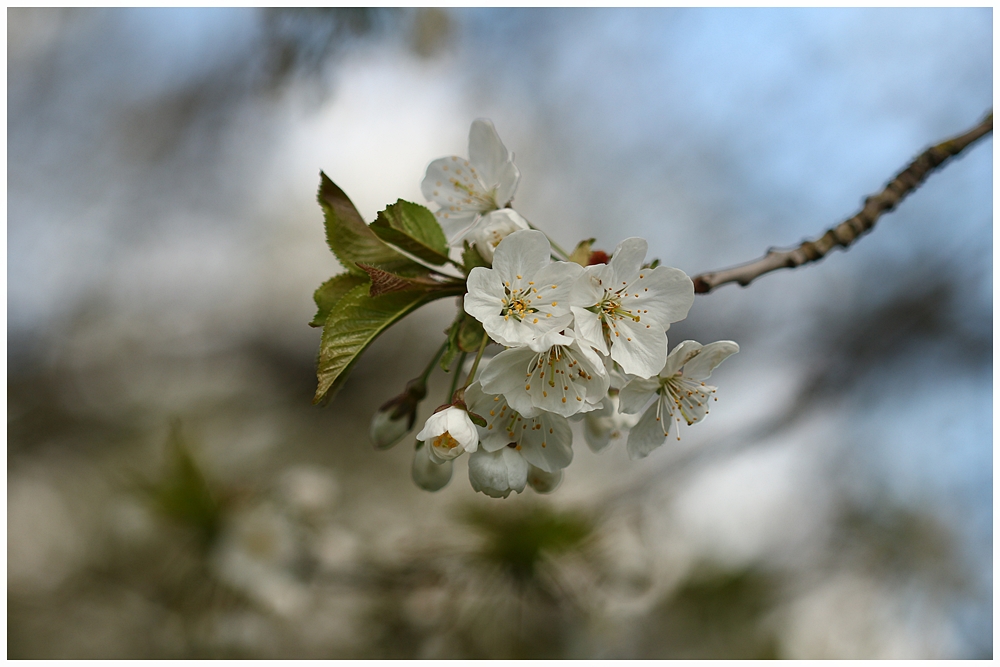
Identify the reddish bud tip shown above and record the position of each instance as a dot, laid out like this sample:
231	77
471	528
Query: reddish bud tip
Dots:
598	257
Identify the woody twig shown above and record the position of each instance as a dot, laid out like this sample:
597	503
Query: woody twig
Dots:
844	234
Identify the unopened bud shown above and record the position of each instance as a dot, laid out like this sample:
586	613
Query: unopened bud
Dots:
427	474
385	431
396	417
544	482
598	257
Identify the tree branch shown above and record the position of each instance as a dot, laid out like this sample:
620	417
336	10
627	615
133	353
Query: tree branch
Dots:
848	231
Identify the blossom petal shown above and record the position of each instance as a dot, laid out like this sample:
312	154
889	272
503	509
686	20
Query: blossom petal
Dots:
680	356
626	260
553	337
485	296
522	253
486	152
506	183
658	297
709	358
546	442
639	350
498	473
449	182
634	395
559	279
648	434
589	288
589	329
508	374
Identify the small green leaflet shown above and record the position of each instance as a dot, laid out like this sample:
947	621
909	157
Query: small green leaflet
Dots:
464	335
413	228
356	320
327	294
352	241
470	334
471	259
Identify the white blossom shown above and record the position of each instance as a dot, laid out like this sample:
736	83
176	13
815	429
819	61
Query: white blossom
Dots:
603	427
542	439
680	393
565	377
524	296
628	309
493	228
448	434
465	189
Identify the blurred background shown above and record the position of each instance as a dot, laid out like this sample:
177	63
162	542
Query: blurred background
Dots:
172	492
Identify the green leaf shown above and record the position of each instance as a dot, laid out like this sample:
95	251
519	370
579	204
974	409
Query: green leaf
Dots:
327	294
471	259
356	321
413	228
464	335
182	494
352	241
470	334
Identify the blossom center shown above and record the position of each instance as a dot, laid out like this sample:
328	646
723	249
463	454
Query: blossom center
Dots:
476	198
445	441
688	395
517	303
557	370
610	310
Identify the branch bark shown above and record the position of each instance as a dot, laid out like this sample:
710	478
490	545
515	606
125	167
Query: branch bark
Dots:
844	234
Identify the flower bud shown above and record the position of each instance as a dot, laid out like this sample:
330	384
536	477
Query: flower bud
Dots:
498	473
395	418
428	475
544	482
448	434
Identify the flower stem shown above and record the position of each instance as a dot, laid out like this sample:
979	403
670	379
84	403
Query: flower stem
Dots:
479	356
430	366
458	370
458	266
555	246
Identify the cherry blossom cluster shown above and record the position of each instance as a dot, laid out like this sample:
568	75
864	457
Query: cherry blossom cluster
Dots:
583	340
